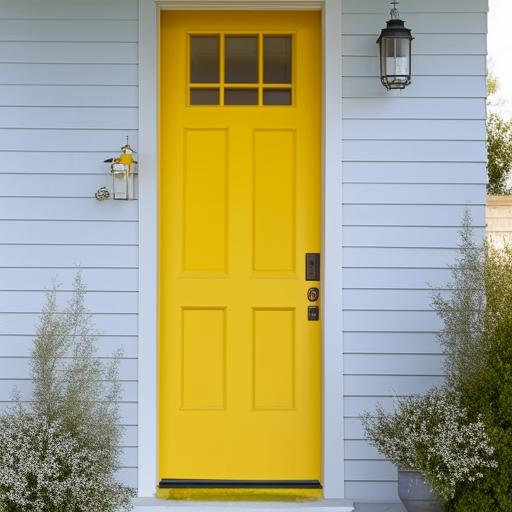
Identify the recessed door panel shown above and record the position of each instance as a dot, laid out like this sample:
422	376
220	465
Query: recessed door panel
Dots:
205	200
274	201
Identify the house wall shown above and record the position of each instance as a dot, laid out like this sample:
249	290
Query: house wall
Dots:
499	220
412	161
68	89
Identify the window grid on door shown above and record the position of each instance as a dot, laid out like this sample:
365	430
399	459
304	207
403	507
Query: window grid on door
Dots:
269	83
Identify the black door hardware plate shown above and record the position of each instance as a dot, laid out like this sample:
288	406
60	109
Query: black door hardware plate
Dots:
313	313
312	266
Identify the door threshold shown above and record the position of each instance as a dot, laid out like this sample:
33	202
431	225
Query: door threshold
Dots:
160	505
183	483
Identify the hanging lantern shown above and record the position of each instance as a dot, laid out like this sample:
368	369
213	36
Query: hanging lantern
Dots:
395	52
123	173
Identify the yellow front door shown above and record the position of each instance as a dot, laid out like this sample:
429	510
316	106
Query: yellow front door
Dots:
240	187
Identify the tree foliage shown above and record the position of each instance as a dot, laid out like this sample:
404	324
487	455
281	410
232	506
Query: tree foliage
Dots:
492	84
491	392
499	154
499	144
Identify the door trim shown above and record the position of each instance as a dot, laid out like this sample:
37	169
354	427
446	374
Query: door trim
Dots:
333	480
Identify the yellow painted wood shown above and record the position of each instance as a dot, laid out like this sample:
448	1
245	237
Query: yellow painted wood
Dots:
240	188
299	495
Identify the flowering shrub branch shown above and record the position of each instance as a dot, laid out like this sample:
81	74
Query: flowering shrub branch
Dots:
60	452
459	436
433	434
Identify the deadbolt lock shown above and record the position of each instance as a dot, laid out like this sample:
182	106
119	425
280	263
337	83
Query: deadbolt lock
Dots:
313	294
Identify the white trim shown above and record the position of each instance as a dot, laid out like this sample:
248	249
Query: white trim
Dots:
148	249
332	306
237	5
156	505
333	446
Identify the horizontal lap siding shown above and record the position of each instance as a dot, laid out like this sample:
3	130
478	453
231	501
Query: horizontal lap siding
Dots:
69	97
413	161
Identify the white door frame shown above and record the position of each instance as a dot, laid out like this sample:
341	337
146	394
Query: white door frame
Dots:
332	415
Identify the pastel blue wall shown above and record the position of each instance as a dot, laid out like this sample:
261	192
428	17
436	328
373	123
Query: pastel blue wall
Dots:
412	162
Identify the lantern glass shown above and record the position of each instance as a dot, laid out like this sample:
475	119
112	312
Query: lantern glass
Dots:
123	182
395	62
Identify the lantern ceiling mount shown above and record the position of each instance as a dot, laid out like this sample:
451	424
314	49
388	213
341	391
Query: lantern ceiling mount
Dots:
395	52
395	15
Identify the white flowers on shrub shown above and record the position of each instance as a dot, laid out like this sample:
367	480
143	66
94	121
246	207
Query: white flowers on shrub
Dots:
60	451
43	468
432	434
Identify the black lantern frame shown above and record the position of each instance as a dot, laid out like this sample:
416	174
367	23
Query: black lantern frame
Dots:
395	43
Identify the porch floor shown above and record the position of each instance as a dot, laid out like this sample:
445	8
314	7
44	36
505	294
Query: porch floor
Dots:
159	505
379	507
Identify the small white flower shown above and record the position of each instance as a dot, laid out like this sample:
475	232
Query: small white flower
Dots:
433	434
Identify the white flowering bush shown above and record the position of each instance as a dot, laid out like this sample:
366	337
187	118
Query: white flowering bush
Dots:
433	434
60	451
44	468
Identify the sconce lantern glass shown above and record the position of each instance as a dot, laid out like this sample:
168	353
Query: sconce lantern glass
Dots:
395	52
123	181
123	170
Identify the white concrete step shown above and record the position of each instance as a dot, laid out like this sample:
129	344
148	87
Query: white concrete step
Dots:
379	507
158	505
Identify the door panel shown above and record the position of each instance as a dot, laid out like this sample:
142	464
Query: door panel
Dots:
239	362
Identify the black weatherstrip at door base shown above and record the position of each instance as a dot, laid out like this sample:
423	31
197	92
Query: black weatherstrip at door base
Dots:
178	483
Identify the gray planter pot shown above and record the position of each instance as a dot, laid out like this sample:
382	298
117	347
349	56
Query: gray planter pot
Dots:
415	494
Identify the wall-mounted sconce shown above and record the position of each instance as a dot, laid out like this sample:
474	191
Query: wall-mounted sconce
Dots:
395	52
123	171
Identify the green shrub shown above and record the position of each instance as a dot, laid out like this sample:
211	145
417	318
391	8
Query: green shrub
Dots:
490	390
462	312
60	452
477	342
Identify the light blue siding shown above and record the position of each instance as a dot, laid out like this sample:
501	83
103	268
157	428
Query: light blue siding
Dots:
364	342
21	345
427	87
442	44
426	22
424	65
106	279
69	74
416	6
90	10
413	161
68	96
442	173
68	83
424	192
415	108
431	130
91	118
69	52
406	215
69	30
